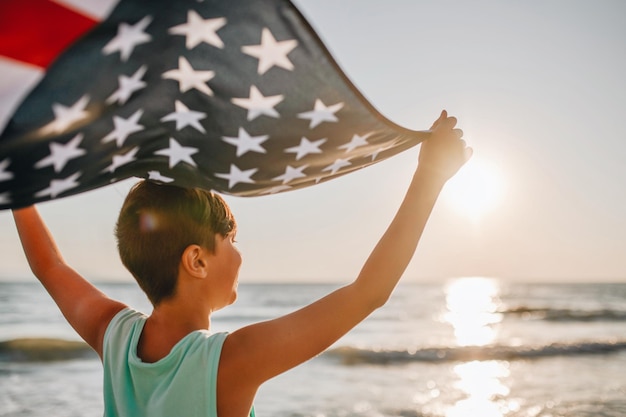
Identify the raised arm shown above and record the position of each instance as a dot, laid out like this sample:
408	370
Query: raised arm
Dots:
441	156
261	351
86	308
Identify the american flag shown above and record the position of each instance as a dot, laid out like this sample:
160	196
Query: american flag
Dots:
237	96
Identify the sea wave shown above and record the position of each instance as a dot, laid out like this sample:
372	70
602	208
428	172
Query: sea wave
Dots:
355	356
43	350
564	314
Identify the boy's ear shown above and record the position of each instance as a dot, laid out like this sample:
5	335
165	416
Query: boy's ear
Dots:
195	261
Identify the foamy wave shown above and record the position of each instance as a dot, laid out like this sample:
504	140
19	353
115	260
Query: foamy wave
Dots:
564	314
43	350
354	356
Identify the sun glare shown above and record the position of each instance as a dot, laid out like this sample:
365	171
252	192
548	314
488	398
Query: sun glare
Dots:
475	190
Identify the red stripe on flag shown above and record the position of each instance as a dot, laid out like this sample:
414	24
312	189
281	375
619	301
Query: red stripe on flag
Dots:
37	31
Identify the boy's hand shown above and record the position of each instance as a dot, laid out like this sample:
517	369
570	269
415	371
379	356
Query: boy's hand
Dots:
444	153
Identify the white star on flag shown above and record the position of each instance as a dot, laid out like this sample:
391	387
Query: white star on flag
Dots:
270	52
5	175
4	198
337	165
185	117
189	78
291	174
124	128
257	104
355	142
321	113
157	176
246	143
235	176
60	154
66	116
128	37
383	148
178	153
59	186
119	160
127	86
306	147
198	30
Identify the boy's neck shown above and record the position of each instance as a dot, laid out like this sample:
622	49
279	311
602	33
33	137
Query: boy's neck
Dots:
181	314
167	325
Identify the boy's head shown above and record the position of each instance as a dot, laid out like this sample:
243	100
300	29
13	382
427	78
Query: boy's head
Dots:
155	226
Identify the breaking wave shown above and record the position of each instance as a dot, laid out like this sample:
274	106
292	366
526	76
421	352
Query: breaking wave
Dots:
564	314
355	356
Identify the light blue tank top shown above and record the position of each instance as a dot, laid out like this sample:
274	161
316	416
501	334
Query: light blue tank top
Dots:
181	384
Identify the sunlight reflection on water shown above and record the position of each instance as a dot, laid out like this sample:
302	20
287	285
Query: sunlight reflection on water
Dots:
472	305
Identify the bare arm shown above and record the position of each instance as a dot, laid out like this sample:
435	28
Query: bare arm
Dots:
261	351
86	308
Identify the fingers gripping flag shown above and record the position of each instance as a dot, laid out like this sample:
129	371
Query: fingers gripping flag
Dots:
240	97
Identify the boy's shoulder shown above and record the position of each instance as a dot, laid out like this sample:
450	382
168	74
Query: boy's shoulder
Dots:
121	326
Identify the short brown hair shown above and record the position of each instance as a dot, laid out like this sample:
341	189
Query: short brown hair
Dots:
158	222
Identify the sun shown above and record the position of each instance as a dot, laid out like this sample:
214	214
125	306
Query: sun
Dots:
475	190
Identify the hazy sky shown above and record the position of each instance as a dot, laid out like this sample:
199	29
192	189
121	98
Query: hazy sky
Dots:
539	89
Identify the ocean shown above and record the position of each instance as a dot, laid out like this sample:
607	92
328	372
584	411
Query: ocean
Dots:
467	347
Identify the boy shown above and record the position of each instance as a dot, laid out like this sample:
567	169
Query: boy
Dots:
179	245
